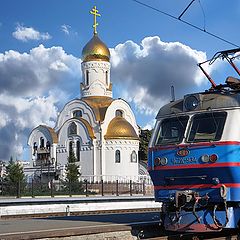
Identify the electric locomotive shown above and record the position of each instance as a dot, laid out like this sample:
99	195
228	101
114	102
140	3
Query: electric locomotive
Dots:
194	157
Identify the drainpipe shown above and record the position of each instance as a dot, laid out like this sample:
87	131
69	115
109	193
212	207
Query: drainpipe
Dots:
100	148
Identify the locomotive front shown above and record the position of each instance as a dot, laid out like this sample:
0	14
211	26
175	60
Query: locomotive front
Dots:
194	162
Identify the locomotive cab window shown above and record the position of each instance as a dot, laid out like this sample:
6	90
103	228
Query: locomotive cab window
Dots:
171	130
207	127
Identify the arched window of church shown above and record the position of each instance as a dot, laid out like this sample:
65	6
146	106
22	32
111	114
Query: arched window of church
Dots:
70	146
34	148
78	151
87	77
133	156
77	113
48	145
41	142
119	113
70	151
72	129
117	156
106	77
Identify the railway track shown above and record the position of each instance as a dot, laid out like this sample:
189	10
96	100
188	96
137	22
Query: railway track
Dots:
233	237
109	225
223	235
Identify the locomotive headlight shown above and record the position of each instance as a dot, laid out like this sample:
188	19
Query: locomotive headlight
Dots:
205	158
160	161
163	161
191	103
157	161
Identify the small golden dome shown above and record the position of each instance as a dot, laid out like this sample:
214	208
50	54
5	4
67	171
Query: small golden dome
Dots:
95	50
120	128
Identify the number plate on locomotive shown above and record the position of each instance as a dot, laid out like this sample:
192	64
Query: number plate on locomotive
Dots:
184	160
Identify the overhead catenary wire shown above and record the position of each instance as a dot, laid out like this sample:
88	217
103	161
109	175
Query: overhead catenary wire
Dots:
188	6
187	23
203	13
204	17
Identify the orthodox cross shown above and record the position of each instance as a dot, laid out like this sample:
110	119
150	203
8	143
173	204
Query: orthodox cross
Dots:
94	11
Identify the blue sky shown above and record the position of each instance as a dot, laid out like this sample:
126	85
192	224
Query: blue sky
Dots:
41	44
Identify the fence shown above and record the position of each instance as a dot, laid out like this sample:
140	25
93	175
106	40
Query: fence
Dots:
87	186
114	178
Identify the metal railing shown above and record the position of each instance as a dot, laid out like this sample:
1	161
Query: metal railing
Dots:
119	178
87	186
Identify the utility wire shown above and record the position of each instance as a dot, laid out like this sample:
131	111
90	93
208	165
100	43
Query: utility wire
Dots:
185	9
187	23
203	13
204	17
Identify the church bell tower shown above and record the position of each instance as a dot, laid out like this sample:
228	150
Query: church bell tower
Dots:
96	66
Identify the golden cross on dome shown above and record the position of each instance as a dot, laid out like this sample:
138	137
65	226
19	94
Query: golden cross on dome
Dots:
94	11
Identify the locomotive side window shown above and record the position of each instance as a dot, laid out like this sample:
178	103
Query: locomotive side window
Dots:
207	127
172	130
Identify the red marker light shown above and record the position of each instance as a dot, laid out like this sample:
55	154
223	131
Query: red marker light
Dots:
213	158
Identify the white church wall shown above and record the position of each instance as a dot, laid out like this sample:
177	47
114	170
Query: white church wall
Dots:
86	162
96	79
54	151
96	155
82	132
97	88
82	135
62	156
69	108
125	167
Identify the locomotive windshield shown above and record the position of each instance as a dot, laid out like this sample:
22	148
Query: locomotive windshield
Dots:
207	127
172	130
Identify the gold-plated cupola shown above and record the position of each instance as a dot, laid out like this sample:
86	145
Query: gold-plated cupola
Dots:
120	128
95	49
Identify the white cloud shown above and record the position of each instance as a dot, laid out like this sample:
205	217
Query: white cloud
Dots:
66	29
29	112
149	125
19	117
32	87
28	33
37	72
147	71
4	119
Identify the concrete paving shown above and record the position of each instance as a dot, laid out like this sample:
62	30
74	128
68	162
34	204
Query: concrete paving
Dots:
73	225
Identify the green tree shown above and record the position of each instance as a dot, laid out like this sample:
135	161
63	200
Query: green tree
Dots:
71	158
73	174
15	179
145	136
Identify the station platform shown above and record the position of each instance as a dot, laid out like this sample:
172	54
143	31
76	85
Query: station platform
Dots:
24	207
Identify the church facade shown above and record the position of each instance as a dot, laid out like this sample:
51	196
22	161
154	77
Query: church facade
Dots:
101	131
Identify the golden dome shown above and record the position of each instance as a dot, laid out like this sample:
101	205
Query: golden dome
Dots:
120	128
95	50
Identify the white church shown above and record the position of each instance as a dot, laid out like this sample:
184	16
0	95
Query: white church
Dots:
101	131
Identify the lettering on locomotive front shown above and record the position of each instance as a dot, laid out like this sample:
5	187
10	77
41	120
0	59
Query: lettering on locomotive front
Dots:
187	160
